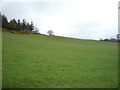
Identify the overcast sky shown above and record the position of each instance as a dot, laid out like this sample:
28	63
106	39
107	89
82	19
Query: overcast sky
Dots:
85	19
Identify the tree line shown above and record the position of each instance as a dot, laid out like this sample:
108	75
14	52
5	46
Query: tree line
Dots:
16	25
111	40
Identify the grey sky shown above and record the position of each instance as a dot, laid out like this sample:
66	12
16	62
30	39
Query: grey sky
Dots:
85	19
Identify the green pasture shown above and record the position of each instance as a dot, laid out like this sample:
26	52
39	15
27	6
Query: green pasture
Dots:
41	61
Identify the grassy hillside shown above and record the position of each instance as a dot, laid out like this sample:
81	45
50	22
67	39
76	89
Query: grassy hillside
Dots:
40	61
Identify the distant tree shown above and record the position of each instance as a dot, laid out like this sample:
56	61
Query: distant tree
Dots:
28	26
50	32
101	39
12	24
112	39
4	21
18	28
24	27
15	24
36	30
106	39
31	27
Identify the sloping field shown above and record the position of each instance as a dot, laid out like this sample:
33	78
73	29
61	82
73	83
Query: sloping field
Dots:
40	61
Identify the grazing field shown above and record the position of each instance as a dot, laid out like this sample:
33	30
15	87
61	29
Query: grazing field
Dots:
41	61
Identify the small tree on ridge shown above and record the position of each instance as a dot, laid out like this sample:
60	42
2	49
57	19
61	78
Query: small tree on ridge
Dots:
50	32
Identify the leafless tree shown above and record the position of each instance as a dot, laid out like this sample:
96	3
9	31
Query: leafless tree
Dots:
36	30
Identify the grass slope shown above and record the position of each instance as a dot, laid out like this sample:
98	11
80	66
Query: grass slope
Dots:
40	61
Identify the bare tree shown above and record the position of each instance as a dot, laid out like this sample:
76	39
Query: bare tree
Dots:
36	30
50	32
